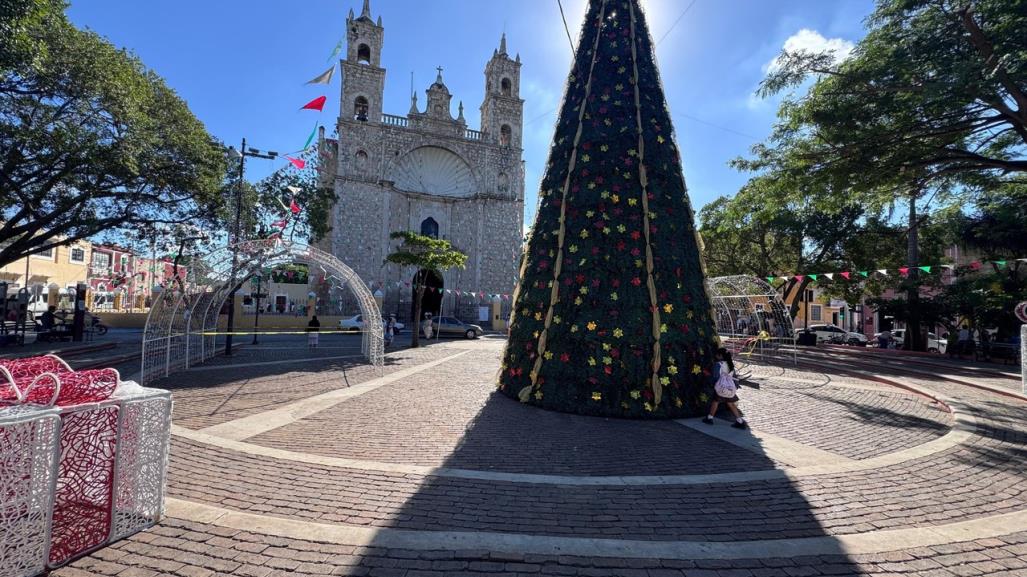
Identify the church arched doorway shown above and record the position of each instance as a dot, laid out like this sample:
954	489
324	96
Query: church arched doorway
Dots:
431	302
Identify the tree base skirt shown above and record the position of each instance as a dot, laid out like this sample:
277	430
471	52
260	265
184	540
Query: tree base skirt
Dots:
597	408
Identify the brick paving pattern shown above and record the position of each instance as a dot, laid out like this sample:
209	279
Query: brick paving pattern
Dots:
448	416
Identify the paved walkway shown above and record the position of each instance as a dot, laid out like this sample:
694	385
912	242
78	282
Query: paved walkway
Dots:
286	461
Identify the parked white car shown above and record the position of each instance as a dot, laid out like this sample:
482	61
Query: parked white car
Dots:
934	344
356	324
832	333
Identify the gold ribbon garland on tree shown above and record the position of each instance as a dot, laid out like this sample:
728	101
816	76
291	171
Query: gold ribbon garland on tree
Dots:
643	179
558	264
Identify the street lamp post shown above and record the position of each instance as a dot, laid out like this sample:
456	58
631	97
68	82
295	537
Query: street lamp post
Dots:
241	154
256	315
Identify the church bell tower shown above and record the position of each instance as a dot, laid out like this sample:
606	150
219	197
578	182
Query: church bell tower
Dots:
363	80
502	110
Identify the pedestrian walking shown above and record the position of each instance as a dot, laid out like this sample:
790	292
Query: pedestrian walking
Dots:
964	341
725	389
426	326
390	330
313	327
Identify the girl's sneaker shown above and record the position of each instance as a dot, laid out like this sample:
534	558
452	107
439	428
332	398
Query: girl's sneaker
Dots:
707	420
742	425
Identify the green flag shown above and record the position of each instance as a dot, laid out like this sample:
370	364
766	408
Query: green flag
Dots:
1000	263
863	273
770	279
310	138
925	268
813	276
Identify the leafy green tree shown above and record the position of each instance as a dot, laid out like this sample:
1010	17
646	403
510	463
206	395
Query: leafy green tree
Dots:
270	200
425	254
930	108
90	140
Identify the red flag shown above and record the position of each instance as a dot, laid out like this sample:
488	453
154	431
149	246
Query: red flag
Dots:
904	270
845	274
316	104
297	162
799	277
295	208
975	265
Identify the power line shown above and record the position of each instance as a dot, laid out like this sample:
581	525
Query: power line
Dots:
682	15
717	126
565	28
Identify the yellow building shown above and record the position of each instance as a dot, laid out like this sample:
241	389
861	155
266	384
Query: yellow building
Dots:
822	310
52	274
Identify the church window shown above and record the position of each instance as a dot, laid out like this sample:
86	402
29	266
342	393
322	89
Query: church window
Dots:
360	108
430	228
504	87
503	182
505	135
364	54
438	110
361	160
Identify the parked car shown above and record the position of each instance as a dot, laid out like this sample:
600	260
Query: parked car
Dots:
356	324
832	334
451	327
934	344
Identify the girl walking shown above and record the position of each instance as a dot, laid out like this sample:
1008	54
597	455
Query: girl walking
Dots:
726	389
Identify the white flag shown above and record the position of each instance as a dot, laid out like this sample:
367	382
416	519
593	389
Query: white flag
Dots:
325	77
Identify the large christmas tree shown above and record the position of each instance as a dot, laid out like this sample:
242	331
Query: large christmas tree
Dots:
611	316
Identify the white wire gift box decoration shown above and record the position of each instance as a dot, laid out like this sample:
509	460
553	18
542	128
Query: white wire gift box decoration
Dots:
109	466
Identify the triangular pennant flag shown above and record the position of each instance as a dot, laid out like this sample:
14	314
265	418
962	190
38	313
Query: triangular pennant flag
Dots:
293	207
1000	263
924	268
799	277
813	276
297	162
785	278
770	279
904	270
449	292
829	275
949	266
310	138
316	104
864	273
883	271
336	51
845	274
1021	260
324	78
975	265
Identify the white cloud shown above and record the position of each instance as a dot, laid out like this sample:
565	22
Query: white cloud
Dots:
812	41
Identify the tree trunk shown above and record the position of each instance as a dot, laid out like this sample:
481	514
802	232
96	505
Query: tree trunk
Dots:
415	340
913	340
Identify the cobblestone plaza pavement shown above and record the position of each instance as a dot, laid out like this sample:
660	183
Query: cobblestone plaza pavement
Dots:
286	461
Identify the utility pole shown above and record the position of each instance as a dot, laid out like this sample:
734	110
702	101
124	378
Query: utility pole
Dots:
242	153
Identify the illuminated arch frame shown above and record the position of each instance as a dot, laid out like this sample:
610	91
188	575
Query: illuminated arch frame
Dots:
180	324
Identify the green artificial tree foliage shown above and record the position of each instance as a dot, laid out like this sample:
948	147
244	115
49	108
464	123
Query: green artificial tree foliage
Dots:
427	254
611	315
91	140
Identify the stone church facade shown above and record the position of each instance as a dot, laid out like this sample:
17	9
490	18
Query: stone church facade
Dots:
427	172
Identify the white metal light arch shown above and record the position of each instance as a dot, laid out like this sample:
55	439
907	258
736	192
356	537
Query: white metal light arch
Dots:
745	305
180	326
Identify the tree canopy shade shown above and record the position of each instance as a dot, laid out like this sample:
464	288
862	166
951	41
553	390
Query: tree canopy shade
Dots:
424	253
611	315
936	90
90	140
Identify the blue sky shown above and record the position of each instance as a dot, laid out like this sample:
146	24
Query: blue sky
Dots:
241	64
